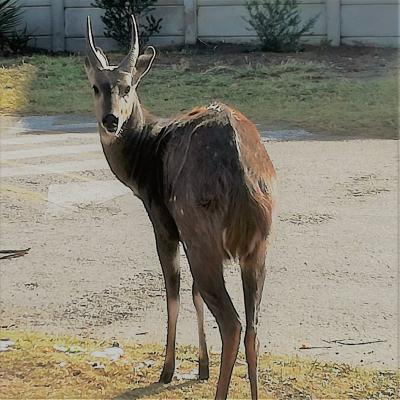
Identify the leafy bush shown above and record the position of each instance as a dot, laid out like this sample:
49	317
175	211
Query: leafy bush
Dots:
117	19
278	23
10	16
11	39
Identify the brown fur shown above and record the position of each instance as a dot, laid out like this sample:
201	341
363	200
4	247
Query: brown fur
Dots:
233	190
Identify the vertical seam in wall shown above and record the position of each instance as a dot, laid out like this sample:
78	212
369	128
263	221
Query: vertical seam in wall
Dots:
57	10
340	22
190	21
333	21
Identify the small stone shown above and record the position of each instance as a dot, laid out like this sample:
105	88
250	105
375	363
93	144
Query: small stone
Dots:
112	353
5	345
96	365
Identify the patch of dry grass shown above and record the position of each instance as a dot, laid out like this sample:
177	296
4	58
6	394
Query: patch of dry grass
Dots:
13	83
34	369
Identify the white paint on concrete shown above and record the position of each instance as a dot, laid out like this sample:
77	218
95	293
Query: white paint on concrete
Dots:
35	139
49	151
48	124
54	168
70	195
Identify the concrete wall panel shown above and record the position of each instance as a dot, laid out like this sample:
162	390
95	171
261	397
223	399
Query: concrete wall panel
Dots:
34	3
41	42
75	21
370	20
78	45
37	20
230	21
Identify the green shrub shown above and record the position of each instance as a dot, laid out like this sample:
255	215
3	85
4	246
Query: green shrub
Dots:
278	24
116	18
12	40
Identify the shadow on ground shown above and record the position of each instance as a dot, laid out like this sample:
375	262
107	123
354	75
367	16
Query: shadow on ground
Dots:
153	389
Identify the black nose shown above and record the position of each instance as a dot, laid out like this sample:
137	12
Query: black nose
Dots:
110	122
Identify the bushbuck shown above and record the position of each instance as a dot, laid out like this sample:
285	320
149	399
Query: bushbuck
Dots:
205	180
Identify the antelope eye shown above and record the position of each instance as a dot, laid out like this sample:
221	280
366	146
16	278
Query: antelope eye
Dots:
127	90
95	89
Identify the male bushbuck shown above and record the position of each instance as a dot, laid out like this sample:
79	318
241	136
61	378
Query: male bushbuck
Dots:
205	180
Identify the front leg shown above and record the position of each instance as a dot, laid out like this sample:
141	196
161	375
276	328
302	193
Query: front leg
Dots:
168	253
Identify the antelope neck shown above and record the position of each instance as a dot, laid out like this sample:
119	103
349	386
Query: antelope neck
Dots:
135	158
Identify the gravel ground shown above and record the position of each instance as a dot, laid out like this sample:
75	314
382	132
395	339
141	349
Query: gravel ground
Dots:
332	268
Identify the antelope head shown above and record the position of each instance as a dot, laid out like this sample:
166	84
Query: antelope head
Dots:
114	87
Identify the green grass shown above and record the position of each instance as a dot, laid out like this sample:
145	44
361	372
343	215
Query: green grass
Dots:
34	369
302	94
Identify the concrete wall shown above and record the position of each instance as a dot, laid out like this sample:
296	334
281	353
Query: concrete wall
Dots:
370	22
76	11
224	20
37	16
67	20
60	24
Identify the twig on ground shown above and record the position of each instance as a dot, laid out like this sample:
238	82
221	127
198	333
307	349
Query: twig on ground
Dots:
207	44
13	253
347	343
306	347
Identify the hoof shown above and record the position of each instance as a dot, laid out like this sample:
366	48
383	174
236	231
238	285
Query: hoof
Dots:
204	372
166	375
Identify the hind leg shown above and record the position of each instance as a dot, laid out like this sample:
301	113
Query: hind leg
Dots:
203	354
206	267
253	277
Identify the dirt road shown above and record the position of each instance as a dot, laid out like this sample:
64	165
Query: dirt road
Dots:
92	269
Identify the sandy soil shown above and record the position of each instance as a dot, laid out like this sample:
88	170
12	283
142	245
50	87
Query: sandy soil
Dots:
332	269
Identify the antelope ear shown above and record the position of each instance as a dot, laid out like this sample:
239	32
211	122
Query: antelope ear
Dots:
89	69
143	63
88	66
